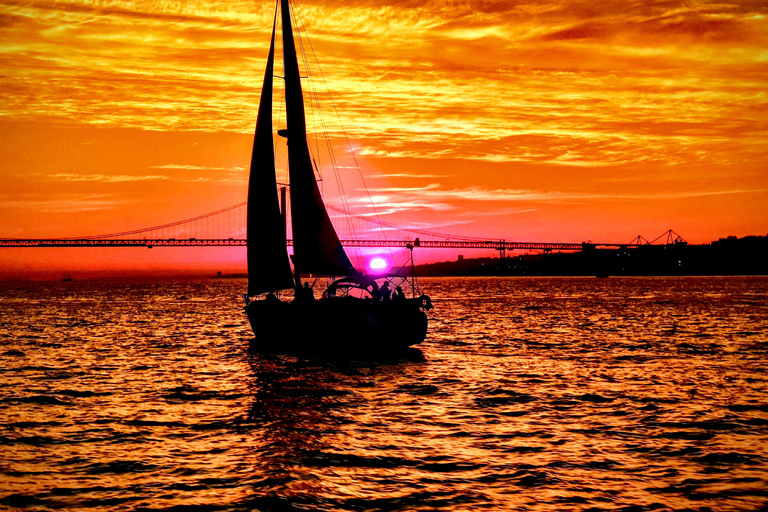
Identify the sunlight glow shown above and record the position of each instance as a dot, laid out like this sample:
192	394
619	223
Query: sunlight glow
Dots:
378	265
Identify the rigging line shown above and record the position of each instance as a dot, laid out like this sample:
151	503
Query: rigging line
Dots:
315	107
299	25
337	177
332	158
421	232
346	137
315	100
336	170
343	129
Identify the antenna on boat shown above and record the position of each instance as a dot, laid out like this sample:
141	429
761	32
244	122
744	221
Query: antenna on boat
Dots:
410	247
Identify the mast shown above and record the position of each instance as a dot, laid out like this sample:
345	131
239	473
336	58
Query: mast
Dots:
268	265
316	246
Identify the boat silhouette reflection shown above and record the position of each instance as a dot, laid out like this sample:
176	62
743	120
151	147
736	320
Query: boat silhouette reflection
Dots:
300	414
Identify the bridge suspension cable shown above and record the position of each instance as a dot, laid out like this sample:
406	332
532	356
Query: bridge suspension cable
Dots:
169	225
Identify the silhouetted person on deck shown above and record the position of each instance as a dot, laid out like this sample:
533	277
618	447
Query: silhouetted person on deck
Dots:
307	292
384	292
399	295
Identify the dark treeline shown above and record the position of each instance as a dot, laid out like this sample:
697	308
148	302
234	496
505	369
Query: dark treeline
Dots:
727	256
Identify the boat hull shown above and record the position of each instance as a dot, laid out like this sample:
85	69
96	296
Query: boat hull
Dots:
344	323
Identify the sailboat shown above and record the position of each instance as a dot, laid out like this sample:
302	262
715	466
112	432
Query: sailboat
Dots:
354	312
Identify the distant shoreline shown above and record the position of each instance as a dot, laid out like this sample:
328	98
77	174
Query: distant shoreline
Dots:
725	257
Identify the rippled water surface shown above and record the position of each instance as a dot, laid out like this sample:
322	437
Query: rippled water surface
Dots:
528	394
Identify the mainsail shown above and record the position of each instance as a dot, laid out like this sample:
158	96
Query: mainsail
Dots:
316	246
268	265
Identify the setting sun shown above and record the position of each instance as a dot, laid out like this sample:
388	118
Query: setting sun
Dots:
378	264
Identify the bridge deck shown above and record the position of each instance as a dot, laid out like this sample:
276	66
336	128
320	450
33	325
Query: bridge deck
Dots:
499	245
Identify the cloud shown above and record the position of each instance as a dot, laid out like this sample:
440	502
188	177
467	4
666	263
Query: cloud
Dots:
230	181
192	12
403	175
385	204
676	27
120	178
434	191
400	75
581	31
64	204
186	167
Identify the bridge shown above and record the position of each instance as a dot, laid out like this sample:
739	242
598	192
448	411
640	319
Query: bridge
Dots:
498	245
226	228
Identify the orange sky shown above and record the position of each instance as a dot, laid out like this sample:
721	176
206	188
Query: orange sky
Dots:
529	121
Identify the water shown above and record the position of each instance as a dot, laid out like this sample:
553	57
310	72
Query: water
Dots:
529	394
